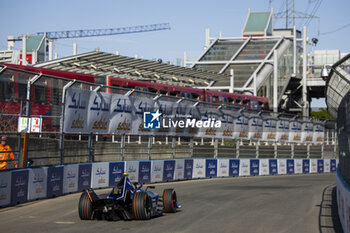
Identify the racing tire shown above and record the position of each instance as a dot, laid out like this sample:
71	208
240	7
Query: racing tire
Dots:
85	207
142	206
169	201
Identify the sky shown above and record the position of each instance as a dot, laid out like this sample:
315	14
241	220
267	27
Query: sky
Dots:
188	20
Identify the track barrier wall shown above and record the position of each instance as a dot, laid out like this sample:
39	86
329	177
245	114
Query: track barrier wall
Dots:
343	200
19	186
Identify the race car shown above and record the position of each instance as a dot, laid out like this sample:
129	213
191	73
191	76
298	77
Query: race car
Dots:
126	201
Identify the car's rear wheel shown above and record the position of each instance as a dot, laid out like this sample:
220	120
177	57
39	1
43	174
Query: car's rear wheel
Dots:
85	207
169	201
142	206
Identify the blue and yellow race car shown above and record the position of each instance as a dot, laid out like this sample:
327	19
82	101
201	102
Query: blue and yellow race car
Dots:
126	201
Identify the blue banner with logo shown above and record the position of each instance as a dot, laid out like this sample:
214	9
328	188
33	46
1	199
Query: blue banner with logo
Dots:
333	165
306	166
234	167
54	181
320	166
116	170
273	166
169	167
211	168
19	187
188	169
290	166
84	178
254	167
145	172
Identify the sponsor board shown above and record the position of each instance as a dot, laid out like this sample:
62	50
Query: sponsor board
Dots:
5	188
264	167
282	166
254	167
132	168
84	176
144	172
188	168
198	168
168	168
211	168
116	171
70	178
100	175
244	167
298	166
223	167
179	169
290	166
157	171
54	181
273	166
19	186
37	183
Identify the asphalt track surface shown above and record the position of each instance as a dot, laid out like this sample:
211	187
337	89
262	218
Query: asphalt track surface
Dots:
270	204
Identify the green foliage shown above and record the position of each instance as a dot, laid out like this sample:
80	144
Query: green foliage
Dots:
322	113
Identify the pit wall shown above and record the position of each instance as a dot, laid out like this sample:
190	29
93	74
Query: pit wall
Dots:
343	200
22	185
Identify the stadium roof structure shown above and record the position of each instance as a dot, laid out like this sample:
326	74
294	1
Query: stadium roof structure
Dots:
106	64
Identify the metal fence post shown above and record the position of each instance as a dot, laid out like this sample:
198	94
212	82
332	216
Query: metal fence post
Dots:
90	149
292	150
191	147
275	149
257	149
60	146
322	151
216	148
308	150
173	147
149	147
237	149
122	147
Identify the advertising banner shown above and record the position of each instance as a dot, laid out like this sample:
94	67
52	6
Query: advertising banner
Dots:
318	133
169	167
264	167
241	127
144	172
320	166
307	132
37	183
194	113
5	188
76	107
168	110
141	105
269	129
283	130
333	165
254	167
282	166
182	112
208	114
84	176
227	126
100	175
295	131
157	171
290	166
306	166
211	168
223	167
116	170
132	168
99	107
298	166
188	168
244	167
234	167
255	128
121	115
313	165
70	178
54	181
273	167
327	165
19	187
198	168
179	169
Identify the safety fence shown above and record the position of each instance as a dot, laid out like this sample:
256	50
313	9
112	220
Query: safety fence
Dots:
22	185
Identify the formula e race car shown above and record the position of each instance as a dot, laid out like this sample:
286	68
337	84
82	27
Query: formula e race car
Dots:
126	201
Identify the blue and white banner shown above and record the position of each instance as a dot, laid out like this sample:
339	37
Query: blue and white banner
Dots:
307	129
241	127
327	165
84	176
234	169
157	171
98	115
282	130
255	128
269	129
5	188
282	166
320	166
188	168
244	167
116	171
295	131
254	167
223	167
76	108
70	178
318	133
333	165
37	183
264	167
54	181
132	168
298	166
313	165
144	172
306	166
179	169
169	167
273	166
211	168
198	168
290	166
100	175
121	116
19	186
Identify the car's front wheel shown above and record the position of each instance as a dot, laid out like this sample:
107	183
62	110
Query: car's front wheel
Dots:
85	207
142	205
169	201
